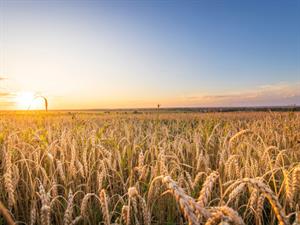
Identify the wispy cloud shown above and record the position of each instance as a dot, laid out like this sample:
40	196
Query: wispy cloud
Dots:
6	103
4	94
6	97
6	100
271	94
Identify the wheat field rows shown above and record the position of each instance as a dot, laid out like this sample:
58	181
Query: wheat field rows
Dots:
214	168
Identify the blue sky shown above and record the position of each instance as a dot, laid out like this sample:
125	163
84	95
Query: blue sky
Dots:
89	54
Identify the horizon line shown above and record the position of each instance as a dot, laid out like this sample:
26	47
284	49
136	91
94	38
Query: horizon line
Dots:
291	106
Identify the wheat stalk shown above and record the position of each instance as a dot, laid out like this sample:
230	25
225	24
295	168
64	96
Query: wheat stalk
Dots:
104	206
207	187
268	193
45	209
68	216
5	213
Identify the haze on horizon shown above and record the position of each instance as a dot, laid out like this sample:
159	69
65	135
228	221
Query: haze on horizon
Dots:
123	54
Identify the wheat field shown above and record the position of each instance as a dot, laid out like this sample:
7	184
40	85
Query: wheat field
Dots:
168	168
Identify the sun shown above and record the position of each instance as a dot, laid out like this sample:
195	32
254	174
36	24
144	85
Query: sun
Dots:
28	100
24	100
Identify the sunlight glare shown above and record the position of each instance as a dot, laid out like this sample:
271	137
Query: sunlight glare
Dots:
27	100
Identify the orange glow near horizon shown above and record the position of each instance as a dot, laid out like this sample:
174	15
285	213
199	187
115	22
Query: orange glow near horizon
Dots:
258	96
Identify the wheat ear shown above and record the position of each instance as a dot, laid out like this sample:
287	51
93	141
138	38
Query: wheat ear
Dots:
104	207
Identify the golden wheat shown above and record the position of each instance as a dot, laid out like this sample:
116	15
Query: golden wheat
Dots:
180	168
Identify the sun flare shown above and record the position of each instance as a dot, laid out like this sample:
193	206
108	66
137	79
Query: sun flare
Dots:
28	100
24	100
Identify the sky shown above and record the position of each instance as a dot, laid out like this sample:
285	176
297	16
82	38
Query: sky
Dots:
123	54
